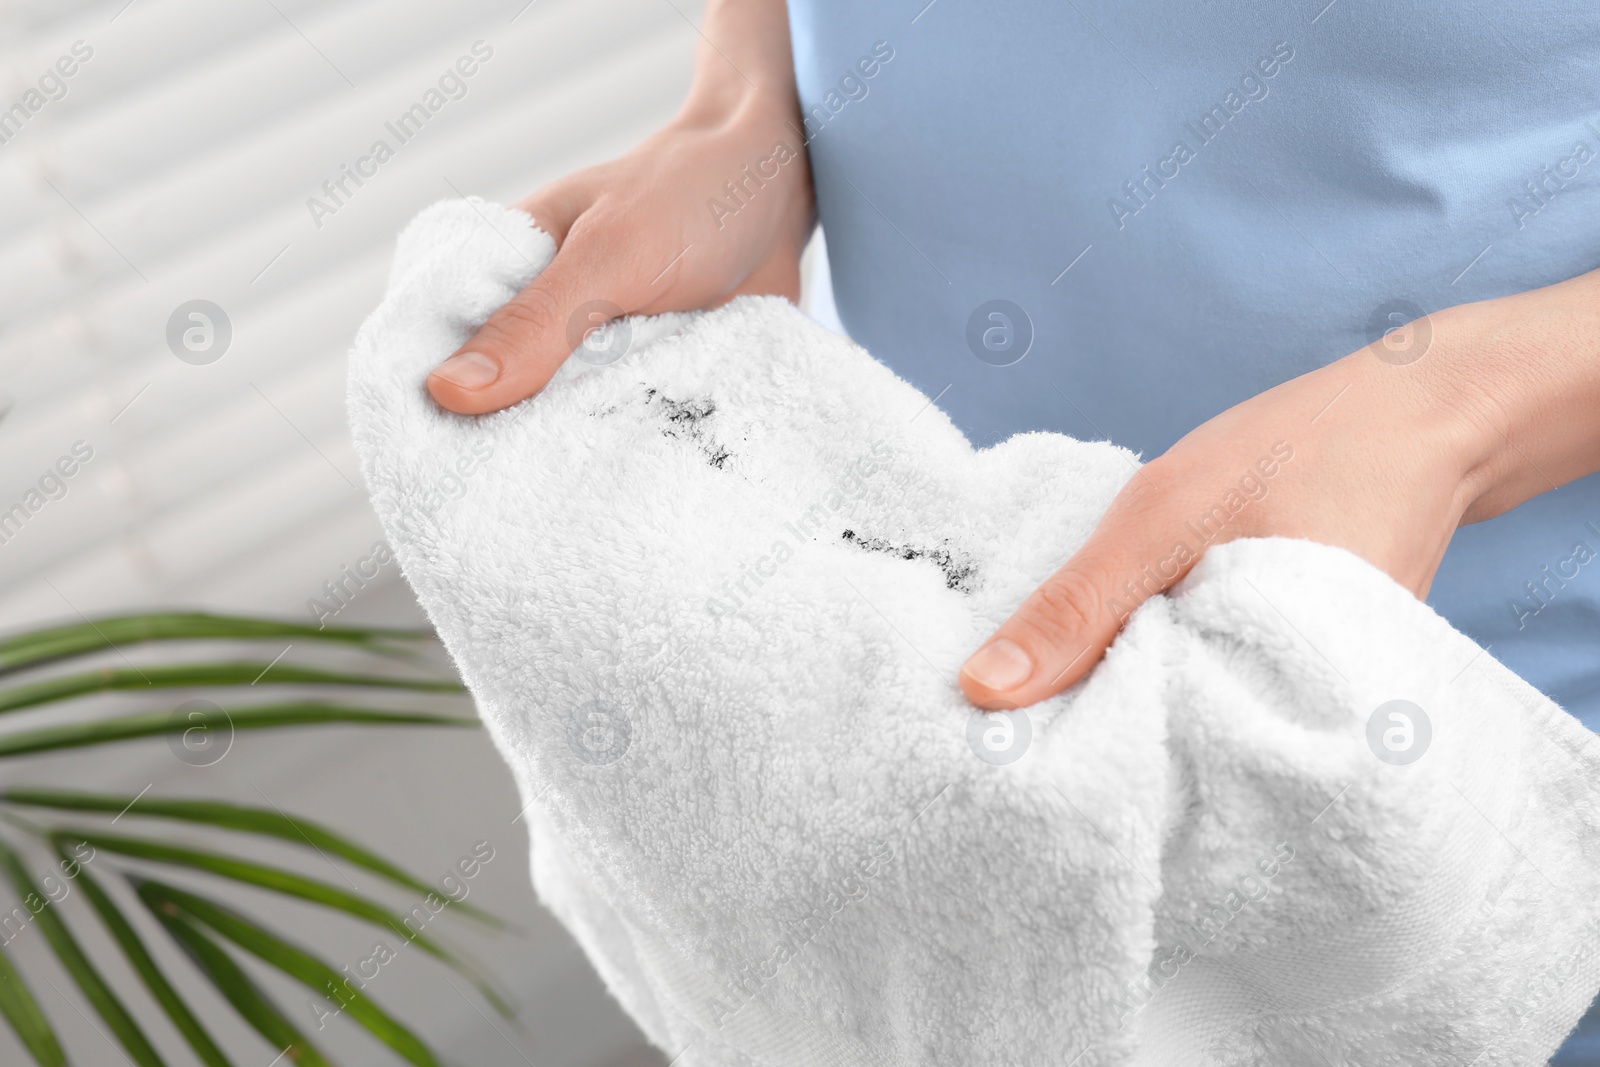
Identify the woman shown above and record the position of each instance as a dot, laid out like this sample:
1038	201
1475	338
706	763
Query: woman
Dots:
1368	233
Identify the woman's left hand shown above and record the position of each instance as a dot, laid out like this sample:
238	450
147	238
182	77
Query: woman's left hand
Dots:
1454	418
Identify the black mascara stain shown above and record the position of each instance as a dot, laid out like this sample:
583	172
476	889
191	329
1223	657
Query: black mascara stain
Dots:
959	574
683	413
684	418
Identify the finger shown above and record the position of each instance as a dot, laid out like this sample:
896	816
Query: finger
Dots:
515	353
556	207
1064	627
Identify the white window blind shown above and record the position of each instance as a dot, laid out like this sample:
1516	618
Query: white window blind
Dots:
174	164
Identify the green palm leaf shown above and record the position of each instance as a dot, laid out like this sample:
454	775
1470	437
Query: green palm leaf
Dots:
197	675
22	1011
268	822
257	717
39	647
209	930
72	958
292	961
145	966
247	999
285	882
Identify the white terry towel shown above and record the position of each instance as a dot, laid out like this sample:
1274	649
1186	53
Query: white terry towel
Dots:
712	598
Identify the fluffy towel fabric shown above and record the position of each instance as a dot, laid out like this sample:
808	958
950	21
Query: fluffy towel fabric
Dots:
712	598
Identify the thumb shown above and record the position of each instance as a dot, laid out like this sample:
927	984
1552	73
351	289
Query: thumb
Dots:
591	280
1064	627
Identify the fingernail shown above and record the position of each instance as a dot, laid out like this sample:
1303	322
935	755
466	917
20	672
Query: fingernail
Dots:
999	665
470	370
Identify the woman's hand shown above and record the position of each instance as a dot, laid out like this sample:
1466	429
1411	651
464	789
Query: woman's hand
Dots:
641	234
1381	456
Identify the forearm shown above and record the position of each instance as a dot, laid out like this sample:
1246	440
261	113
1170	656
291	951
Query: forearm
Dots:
743	65
1523	372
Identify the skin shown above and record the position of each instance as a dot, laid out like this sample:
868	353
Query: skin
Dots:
1388	460
636	232
1463	415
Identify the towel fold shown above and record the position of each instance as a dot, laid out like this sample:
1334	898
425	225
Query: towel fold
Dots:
711	596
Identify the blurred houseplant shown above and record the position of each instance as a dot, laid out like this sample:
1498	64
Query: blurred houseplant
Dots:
46	669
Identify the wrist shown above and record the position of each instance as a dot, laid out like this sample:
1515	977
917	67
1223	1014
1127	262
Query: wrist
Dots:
1513	388
723	102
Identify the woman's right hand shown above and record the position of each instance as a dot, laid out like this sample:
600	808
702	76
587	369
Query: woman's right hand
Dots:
643	234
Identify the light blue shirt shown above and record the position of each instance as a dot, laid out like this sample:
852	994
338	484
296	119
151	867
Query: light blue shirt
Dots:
1117	218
